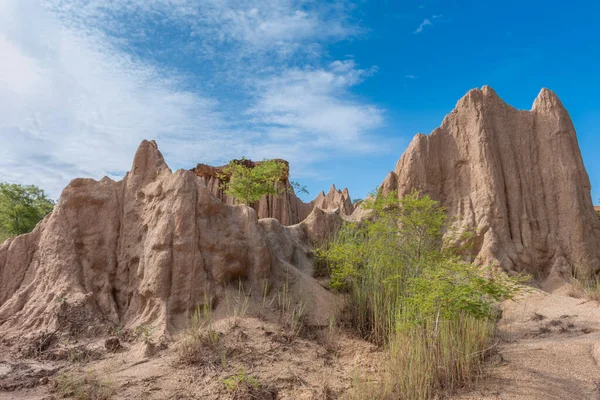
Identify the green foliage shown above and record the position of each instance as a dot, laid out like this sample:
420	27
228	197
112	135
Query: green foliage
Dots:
4	236
298	188
453	287
145	332
394	264
248	184
21	208
234	382
433	311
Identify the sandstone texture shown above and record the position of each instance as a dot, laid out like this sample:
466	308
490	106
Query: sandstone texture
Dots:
286	208
515	178
148	249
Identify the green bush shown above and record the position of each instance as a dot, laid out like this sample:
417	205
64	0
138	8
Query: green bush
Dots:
21	208
404	287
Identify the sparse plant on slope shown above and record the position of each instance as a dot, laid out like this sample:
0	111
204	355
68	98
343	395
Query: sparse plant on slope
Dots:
86	387
405	288
201	344
146	333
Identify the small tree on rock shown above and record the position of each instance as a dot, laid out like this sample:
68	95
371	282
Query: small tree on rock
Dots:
247	183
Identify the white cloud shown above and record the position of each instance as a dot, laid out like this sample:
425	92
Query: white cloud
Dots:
422	25
316	103
426	22
76	100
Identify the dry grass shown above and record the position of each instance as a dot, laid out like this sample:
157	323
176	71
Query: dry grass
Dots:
201	344
292	314
585	285
89	386
423	363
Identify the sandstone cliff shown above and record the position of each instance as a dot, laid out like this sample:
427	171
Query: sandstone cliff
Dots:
516	178
145	250
286	208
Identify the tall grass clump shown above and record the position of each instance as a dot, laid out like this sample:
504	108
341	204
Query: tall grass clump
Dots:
585	283
201	344
433	312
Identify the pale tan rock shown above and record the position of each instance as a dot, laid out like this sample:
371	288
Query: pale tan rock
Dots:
334	199
147	250
514	177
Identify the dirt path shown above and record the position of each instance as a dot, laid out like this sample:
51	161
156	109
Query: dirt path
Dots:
551	350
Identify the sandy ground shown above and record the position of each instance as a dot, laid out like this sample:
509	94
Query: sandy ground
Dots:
550	350
308	366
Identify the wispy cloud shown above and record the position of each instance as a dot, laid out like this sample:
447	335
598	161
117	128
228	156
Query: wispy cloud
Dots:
422	25
82	82
315	106
426	22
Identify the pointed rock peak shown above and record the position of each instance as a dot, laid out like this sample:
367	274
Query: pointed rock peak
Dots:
547	101
478	96
345	193
148	158
332	190
489	92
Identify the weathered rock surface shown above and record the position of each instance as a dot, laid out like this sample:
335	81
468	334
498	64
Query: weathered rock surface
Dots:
516	178
287	208
145	250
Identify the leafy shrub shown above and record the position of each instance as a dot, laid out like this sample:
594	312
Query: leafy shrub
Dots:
21	208
248	183
404	287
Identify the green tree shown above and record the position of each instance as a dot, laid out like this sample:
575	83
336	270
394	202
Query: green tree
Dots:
396	269
21	208
432	311
248	183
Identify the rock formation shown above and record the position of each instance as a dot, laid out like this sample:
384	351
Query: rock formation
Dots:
515	178
334	199
145	250
286	208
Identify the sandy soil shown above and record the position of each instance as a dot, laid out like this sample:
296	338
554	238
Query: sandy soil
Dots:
308	366
550	350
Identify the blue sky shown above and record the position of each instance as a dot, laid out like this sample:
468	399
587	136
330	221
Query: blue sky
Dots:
337	88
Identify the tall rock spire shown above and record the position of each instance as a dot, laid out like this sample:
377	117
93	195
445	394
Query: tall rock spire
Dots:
515	178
